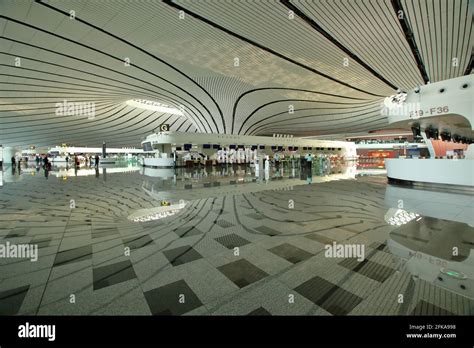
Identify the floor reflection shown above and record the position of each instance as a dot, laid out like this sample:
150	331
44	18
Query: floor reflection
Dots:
129	240
435	250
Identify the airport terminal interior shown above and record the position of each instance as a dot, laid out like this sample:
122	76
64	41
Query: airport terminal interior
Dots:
276	157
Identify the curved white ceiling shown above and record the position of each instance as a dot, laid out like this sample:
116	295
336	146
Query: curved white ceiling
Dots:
333	61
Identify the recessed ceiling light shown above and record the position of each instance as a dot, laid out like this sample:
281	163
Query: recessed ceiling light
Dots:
153	105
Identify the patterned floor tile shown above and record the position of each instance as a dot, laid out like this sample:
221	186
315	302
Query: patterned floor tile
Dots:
329	296
224	224
17	232
242	272
138	241
255	216
73	255
188	253
11	300
369	269
232	240
113	274
182	255
187	231
42	242
268	231
291	253
104	232
426	308
259	312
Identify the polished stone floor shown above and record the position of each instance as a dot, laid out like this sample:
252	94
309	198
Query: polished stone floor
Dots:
235	243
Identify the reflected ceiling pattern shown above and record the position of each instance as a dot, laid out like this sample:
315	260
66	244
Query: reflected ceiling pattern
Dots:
281	249
235	69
